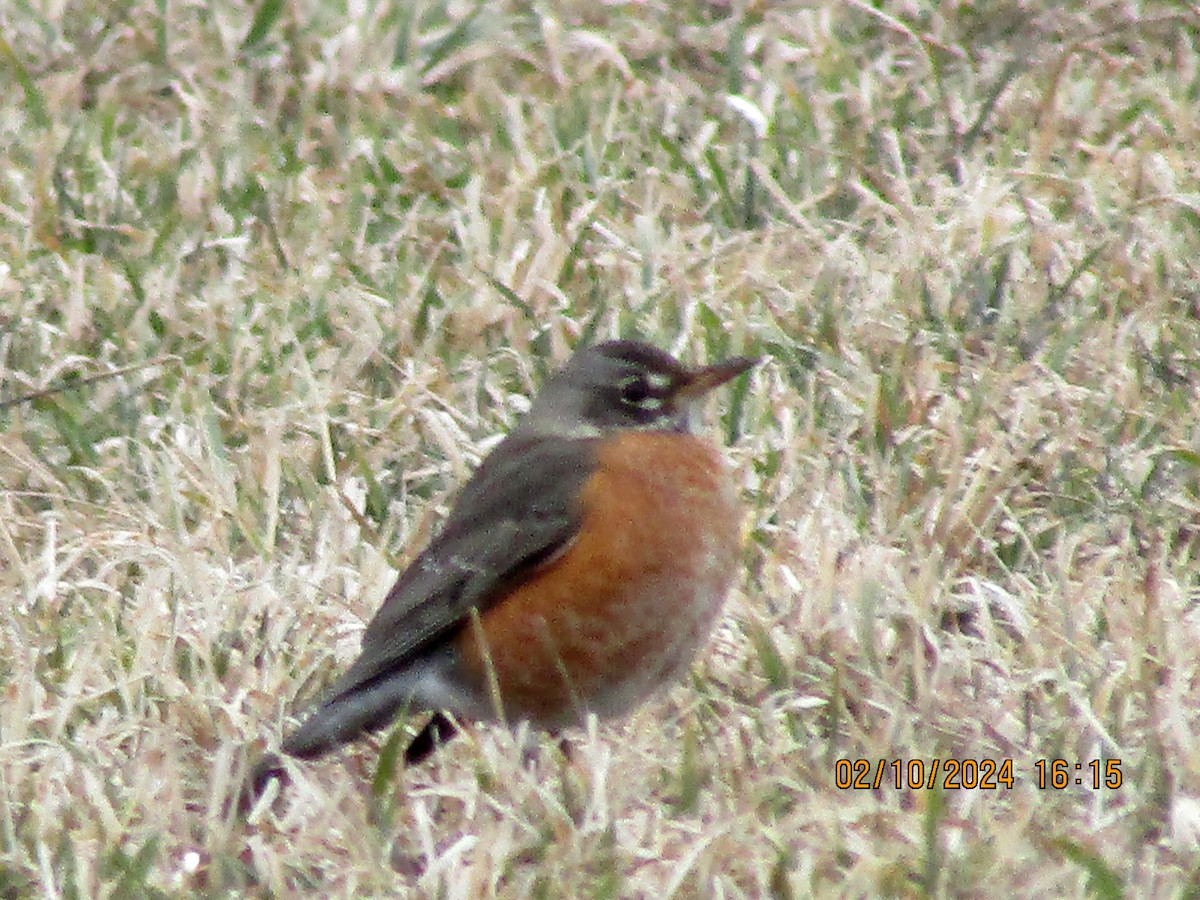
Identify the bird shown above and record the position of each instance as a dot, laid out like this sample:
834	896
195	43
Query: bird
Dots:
579	569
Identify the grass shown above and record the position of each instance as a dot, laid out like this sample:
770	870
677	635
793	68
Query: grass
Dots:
272	278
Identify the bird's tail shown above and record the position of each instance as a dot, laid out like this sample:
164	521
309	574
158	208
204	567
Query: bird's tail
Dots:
348	715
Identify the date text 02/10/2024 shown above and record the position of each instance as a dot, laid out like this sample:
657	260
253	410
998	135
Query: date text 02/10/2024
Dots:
972	774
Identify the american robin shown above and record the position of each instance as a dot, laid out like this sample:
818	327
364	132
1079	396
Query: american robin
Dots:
580	568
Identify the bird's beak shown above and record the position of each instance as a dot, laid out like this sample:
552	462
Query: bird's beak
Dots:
700	381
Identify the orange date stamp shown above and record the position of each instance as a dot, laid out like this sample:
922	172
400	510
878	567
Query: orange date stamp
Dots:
971	774
917	774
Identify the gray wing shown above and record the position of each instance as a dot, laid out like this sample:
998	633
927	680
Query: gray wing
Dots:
518	510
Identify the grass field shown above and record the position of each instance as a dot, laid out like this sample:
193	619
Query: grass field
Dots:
274	277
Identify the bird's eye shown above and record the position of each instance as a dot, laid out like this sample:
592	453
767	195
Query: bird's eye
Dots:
635	390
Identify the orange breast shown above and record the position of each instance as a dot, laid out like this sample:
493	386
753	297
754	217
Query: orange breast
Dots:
625	607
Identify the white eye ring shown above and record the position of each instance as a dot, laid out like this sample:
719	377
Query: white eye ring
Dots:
638	391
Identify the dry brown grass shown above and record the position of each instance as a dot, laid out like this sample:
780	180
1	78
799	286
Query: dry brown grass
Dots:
325	251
